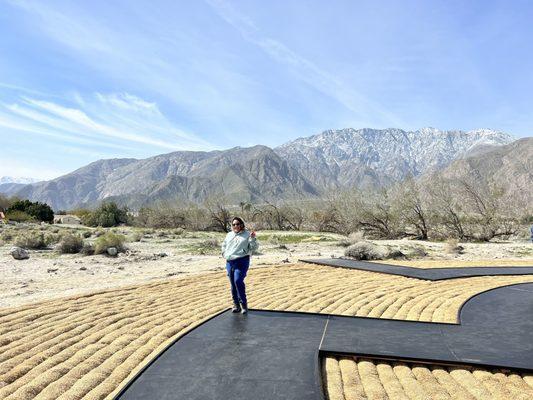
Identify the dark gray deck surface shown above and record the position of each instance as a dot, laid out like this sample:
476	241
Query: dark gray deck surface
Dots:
264	355
496	329
274	355
430	274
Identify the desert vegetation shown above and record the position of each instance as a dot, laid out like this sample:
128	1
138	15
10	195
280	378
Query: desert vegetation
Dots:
25	210
431	209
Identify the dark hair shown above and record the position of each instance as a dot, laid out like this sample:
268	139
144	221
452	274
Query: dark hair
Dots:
238	219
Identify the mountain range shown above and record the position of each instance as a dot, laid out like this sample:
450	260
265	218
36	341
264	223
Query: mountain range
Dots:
303	168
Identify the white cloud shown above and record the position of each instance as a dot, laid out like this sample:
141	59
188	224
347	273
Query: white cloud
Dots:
302	68
108	120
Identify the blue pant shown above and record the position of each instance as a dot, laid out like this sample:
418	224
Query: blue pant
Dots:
237	270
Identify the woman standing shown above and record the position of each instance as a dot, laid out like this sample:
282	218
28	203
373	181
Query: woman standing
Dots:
237	247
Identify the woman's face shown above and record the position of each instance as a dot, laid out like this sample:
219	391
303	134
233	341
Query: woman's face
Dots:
236	226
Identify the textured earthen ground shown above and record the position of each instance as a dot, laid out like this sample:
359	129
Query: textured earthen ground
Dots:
88	346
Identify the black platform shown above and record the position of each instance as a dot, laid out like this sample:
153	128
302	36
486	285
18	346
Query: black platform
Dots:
276	355
430	274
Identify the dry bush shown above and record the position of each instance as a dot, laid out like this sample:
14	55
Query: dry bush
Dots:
7	236
356	236
353	238
136	237
365	251
161	217
87	249
31	240
416	251
53	238
99	232
452	246
70	244
178	231
211	243
108	240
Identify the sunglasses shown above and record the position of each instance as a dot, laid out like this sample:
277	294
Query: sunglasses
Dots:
236	224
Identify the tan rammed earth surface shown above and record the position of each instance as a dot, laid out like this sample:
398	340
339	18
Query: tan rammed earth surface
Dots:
90	345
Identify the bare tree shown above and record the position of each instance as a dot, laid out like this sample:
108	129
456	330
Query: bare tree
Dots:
219	214
379	216
412	207
486	211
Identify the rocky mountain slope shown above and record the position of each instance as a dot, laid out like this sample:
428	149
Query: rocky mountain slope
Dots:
508	167
239	174
349	157
306	167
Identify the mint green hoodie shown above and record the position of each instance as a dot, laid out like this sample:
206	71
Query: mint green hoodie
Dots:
237	245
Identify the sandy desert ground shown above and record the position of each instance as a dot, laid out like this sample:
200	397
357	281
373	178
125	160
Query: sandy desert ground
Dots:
120	312
162	254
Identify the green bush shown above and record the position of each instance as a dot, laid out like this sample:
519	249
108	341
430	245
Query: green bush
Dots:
107	215
86	234
70	244
108	240
39	211
19	216
31	240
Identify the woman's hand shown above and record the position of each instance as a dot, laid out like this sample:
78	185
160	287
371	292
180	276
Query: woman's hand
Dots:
252	234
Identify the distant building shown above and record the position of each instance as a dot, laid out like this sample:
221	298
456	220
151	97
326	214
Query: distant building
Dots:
67	219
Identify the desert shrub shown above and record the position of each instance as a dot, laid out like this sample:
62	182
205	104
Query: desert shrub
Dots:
107	215
178	231
210	243
357	236
365	251
70	244
136	237
344	243
207	246
39	211
53	238
87	249
108	240
86	234
352	238
7	236
99	232
416	252
31	240
19	216
452	246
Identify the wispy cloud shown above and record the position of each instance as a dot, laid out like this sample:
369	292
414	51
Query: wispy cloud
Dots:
108	120
304	69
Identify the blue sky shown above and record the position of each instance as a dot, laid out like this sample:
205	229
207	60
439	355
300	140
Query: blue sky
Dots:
85	80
